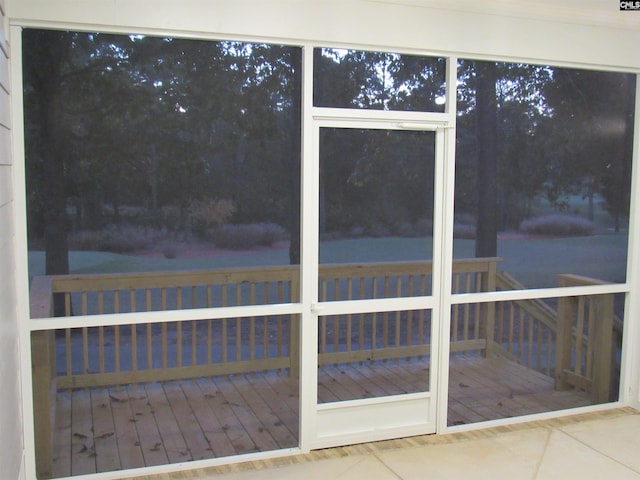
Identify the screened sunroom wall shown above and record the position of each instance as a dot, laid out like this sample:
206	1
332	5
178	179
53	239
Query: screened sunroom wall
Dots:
599	37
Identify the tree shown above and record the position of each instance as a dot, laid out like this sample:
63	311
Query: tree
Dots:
45	57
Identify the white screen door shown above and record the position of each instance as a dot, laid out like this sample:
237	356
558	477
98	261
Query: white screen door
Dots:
376	312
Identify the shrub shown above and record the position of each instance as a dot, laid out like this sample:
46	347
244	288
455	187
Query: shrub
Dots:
245	236
205	215
558	225
117	239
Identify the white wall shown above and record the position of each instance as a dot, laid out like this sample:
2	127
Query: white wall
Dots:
10	399
593	32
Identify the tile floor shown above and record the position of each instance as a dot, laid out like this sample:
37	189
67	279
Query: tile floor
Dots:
602	445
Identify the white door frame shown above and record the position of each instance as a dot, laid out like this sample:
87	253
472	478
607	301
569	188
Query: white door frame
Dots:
373	419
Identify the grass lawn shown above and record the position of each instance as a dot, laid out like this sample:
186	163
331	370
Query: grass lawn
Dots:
534	262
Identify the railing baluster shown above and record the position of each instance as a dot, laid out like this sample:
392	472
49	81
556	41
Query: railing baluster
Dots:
209	341
194	342
541	329
165	346
178	343
521	316
265	322
550	343
85	350
83	303
67	304
252	338
149	346
134	347
511	324
67	345
132	300
116	347
502	307
530	342
101	349
385	316
577	368
590	345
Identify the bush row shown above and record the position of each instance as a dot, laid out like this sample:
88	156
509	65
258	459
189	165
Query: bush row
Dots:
558	226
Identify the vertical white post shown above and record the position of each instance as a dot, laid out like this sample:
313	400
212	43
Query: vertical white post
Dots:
308	258
20	249
630	369
445	179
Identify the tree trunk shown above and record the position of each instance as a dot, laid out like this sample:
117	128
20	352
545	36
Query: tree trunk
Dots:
487	223
295	156
50	151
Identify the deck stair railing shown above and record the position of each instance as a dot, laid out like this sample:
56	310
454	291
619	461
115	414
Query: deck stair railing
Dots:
588	334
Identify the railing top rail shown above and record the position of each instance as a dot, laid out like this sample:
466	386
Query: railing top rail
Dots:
125	281
571	280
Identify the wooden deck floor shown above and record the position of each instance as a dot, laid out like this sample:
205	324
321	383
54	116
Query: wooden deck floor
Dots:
116	428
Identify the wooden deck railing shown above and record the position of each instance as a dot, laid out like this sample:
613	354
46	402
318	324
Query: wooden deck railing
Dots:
527	331
586	340
93	356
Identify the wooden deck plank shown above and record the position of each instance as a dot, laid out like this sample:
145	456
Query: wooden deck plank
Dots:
233	428
334	378
374	384
83	457
223	416
149	436
194	437
251	423
408	376
172	438
253	397
106	445
285	387
124	421
278	401
62	436
212	429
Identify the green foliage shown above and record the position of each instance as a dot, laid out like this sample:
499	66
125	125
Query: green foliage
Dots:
140	129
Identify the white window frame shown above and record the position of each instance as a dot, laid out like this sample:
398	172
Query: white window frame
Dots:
630	374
